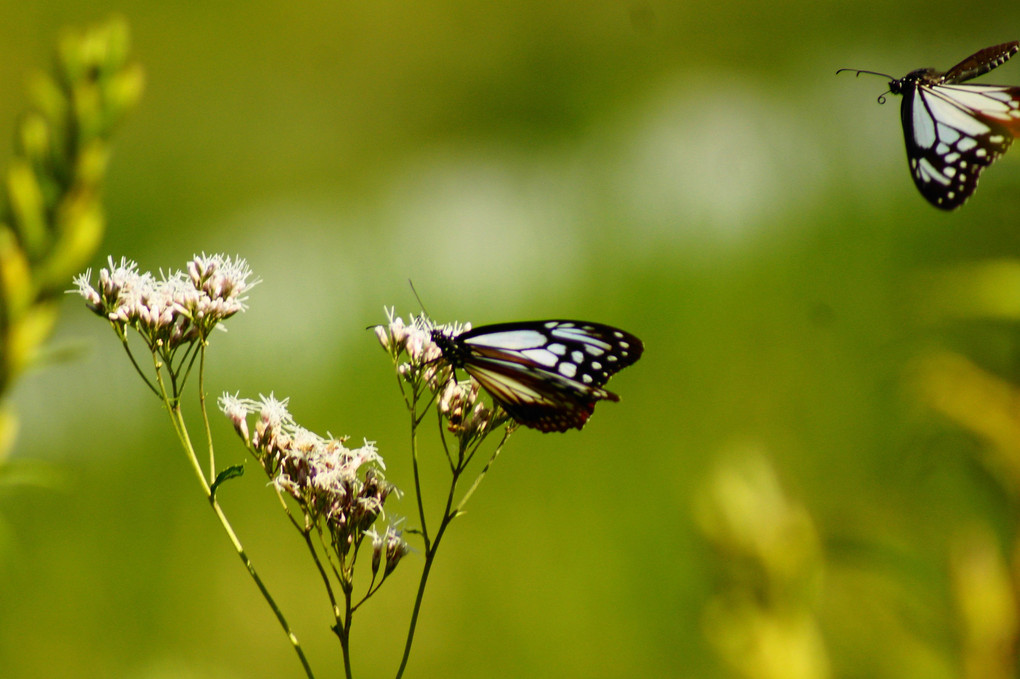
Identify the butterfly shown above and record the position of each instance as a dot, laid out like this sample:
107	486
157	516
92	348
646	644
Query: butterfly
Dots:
547	375
954	131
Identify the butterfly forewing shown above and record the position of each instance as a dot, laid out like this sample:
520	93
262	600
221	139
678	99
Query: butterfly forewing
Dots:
547	375
954	131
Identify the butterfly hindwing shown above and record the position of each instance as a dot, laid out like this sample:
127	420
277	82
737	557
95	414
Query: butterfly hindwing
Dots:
534	398
981	62
547	375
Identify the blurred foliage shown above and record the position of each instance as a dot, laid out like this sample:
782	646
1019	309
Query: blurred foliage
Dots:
763	620
694	173
52	219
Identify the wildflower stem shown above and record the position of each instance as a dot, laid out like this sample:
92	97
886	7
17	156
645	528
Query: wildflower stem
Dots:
344	632
449	514
177	420
430	557
138	369
205	414
417	478
485	469
258	582
191	362
307	535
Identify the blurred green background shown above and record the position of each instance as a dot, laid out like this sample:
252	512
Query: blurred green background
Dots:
692	172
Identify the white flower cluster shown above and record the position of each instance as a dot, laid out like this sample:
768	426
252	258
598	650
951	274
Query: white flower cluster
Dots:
342	487
175	309
419	360
417	357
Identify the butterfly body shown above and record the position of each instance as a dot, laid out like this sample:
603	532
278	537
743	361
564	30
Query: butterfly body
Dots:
547	375
954	131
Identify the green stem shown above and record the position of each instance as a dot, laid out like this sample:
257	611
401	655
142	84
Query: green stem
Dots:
485	469
430	557
138	369
345	638
205	415
177	420
430	553
417	477
306	534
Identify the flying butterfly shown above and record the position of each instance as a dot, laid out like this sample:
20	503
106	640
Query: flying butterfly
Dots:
547	375
954	131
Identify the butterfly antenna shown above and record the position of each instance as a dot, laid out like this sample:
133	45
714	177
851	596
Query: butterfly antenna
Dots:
424	311
858	71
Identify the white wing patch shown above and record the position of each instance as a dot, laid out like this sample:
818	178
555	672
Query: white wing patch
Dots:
512	340
542	357
991	100
949	113
923	128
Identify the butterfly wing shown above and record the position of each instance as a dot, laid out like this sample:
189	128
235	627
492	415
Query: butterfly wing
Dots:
547	375
981	62
953	132
536	398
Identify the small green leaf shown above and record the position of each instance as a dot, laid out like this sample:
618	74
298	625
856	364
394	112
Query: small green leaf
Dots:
229	473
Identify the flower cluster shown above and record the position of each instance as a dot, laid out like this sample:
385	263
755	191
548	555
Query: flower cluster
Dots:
174	310
340	490
467	416
390	545
418	358
420	362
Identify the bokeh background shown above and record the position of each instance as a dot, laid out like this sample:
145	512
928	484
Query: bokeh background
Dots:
693	172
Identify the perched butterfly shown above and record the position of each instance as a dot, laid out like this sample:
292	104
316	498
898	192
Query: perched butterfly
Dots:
955	131
547	375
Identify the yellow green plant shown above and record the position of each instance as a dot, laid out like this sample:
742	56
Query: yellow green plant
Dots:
51	212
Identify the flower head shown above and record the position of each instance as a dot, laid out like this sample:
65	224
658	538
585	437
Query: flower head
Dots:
390	545
413	342
174	310
343	489
117	283
221	283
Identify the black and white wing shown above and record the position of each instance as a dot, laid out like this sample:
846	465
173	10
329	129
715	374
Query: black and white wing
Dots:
953	132
547	375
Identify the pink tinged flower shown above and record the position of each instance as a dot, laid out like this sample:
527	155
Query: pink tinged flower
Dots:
365	454
273	416
414	343
378	544
383	335
396	549
237	410
481	418
222	280
92	299
108	299
392	335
